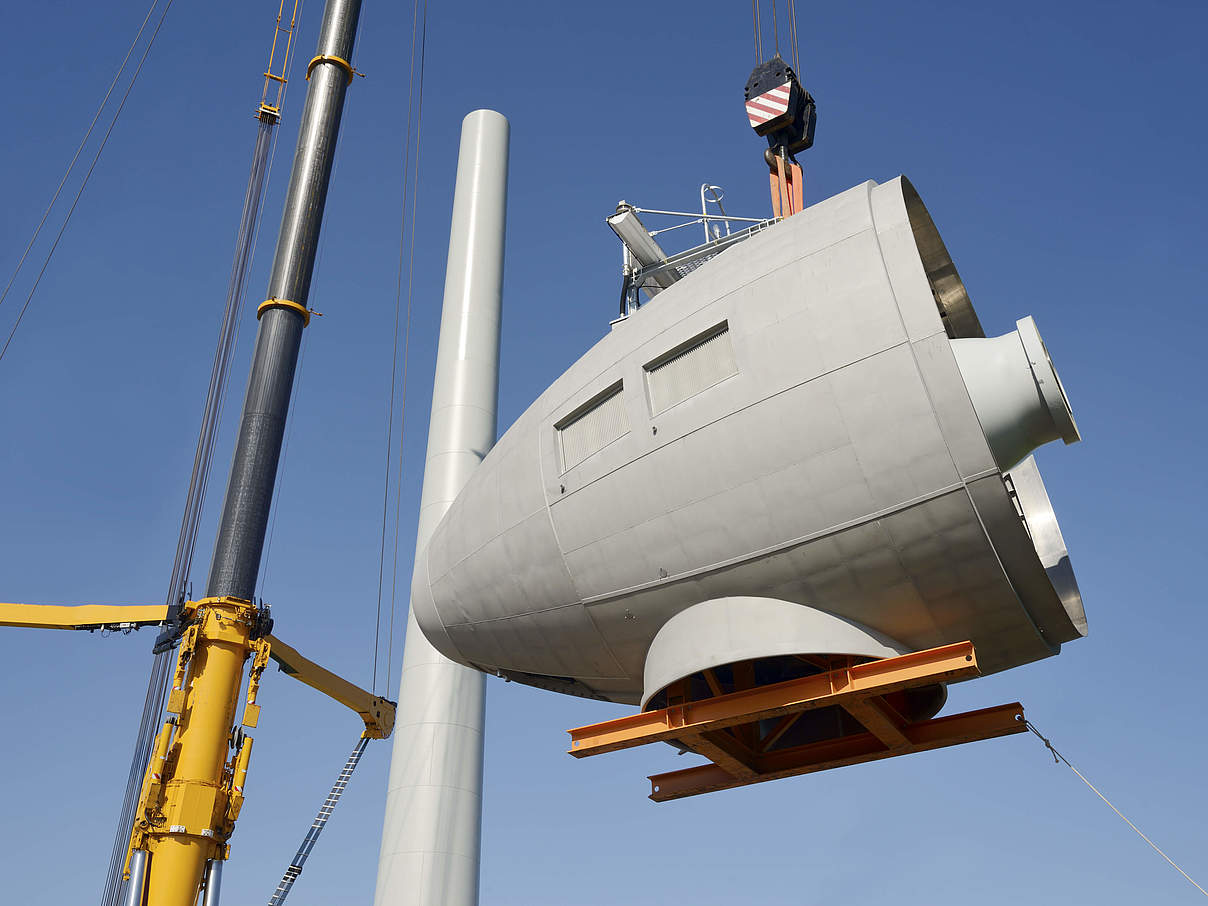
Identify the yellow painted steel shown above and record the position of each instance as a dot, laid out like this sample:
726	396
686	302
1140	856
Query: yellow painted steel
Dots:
330	58
184	816
251	710
275	74
239	778
152	788
284	303
192	792
82	616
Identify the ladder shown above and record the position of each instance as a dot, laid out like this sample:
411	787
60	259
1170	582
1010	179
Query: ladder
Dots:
316	828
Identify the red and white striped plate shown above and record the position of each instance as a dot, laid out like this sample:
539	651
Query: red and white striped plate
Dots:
768	105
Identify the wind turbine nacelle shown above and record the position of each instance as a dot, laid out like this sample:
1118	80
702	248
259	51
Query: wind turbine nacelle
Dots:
800	448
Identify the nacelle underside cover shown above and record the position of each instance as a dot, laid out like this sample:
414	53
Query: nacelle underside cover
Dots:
788	421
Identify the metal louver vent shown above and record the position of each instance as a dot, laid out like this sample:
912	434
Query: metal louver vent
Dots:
686	372
593	427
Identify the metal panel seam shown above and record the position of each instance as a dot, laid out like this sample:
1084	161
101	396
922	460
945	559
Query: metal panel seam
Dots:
765	274
1055	648
668	442
553	527
897	307
964	480
784	546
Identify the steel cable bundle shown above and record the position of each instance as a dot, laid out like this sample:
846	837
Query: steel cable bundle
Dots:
157	683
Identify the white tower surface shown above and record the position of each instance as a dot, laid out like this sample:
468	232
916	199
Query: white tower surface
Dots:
432	828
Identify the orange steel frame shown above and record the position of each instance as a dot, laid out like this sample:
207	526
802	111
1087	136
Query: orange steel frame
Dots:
726	729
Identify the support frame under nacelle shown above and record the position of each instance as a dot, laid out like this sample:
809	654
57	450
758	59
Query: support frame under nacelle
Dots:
726	729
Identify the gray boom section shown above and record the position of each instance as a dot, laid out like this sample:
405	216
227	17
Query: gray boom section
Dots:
249	490
432	828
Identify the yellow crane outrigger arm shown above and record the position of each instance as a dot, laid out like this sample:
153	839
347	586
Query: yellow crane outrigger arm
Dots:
376	712
83	616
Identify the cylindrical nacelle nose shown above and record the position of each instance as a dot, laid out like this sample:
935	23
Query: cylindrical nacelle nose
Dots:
1016	393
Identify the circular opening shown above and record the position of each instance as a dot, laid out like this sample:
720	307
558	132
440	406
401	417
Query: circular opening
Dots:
951	298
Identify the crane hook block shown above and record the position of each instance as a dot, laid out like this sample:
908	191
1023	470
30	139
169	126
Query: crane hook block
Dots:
779	108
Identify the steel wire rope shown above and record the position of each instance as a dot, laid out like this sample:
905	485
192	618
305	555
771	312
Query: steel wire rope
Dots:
296	389
157	681
775	28
220	372
156	687
1058	757
759	27
234	343
268	174
755	28
268	178
419	122
255	239
199	479
247	237
75	201
79	150
792	5
398	297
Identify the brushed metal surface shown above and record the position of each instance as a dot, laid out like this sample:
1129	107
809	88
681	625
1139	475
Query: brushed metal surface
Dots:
842	468
728	630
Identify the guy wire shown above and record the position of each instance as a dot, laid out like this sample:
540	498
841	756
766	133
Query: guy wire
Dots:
419	122
793	36
398	298
84	141
1057	756
755	28
775	28
75	201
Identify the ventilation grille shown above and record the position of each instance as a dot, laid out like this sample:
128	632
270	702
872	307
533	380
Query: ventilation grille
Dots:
687	372
593	428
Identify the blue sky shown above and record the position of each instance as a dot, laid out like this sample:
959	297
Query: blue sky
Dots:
1059	149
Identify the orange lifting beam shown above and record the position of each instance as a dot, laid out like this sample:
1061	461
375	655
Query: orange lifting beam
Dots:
727	729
